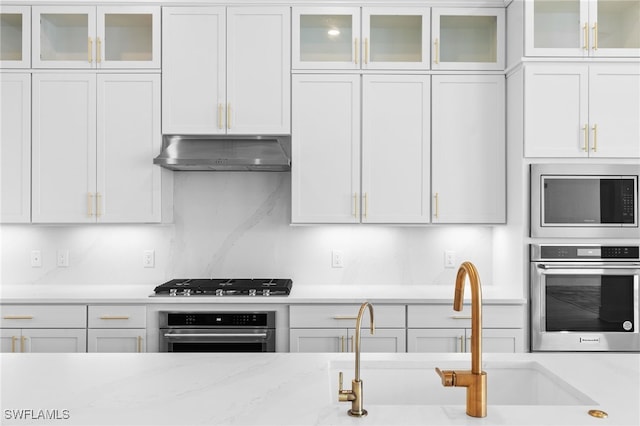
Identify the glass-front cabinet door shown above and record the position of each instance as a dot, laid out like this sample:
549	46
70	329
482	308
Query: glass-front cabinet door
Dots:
395	38
326	38
581	28
15	36
353	38
467	39
89	37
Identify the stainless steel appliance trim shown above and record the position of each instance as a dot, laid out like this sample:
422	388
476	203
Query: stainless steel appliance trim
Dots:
178	335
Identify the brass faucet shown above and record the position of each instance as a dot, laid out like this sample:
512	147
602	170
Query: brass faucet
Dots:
355	394
475	380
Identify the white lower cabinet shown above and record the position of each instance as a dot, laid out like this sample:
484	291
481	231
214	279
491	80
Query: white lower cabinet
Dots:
42	328
331	328
117	328
438	328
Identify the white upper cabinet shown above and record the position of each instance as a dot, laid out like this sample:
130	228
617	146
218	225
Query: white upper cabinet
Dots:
468	149
582	28
96	37
468	39
93	140
15	147
15	33
226	70
395	148
595	110
354	38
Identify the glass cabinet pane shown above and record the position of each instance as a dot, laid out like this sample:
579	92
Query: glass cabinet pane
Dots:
395	38
64	37
557	24
468	39
326	38
11	36
128	37
618	24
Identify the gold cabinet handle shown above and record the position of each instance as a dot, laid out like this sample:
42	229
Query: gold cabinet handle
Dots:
139	344
13	343
585	33
366	50
220	107
355	48
461	343
90	50
345	317
585	145
351	341
437	205
23	340
90	204
461	317
114	317
18	317
366	205
595	36
595	138
355	204
437	53
229	115
98	50
341	343
98	204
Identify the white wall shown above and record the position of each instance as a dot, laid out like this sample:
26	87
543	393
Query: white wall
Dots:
237	225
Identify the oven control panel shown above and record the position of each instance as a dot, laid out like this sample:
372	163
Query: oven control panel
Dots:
219	319
584	252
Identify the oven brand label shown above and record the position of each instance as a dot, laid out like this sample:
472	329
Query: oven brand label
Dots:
589	340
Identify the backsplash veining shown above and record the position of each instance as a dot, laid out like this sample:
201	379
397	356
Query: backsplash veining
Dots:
237	225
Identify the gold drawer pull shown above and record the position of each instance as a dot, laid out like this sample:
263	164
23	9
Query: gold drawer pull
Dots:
461	317
13	343
23	339
139	343
114	317
18	317
345	317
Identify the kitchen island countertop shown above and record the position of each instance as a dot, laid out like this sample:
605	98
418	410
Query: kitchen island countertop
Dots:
280	389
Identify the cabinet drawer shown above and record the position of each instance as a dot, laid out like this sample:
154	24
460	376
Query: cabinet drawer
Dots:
117	316
43	316
344	316
441	316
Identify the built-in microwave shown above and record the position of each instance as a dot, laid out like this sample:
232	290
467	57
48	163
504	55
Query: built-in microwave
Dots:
584	201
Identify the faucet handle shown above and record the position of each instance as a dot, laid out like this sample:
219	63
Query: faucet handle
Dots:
448	377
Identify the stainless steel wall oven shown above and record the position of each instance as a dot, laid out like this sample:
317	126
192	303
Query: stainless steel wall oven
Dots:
217	332
584	297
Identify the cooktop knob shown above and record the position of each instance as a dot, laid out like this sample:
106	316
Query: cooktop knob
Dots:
219	292
266	292
252	292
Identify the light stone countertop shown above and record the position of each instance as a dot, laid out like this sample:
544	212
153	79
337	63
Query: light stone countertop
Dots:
300	294
284	389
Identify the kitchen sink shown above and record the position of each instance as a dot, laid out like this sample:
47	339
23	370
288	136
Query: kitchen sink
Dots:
417	383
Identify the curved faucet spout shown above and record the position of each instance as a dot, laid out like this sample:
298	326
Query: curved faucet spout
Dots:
469	269
357	339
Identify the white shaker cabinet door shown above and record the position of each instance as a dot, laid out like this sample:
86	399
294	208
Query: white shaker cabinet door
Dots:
468	149
193	70
258	70
614	110
325	166
15	148
64	141
128	129
395	150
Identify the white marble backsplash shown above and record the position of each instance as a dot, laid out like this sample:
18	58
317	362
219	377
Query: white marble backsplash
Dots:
237	224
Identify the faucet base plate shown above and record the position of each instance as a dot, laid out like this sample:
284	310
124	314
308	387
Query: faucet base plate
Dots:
357	413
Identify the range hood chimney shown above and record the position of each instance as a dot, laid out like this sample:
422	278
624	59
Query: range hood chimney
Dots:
225	153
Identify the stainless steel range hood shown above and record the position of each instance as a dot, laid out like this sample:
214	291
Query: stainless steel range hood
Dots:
225	153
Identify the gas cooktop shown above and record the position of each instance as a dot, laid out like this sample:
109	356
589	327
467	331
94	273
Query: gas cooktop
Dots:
225	287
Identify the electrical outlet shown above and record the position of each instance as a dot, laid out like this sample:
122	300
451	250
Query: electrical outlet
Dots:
62	258
337	259
36	259
148	259
449	259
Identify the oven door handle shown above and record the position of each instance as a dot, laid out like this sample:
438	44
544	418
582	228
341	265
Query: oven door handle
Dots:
591	266
179	335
